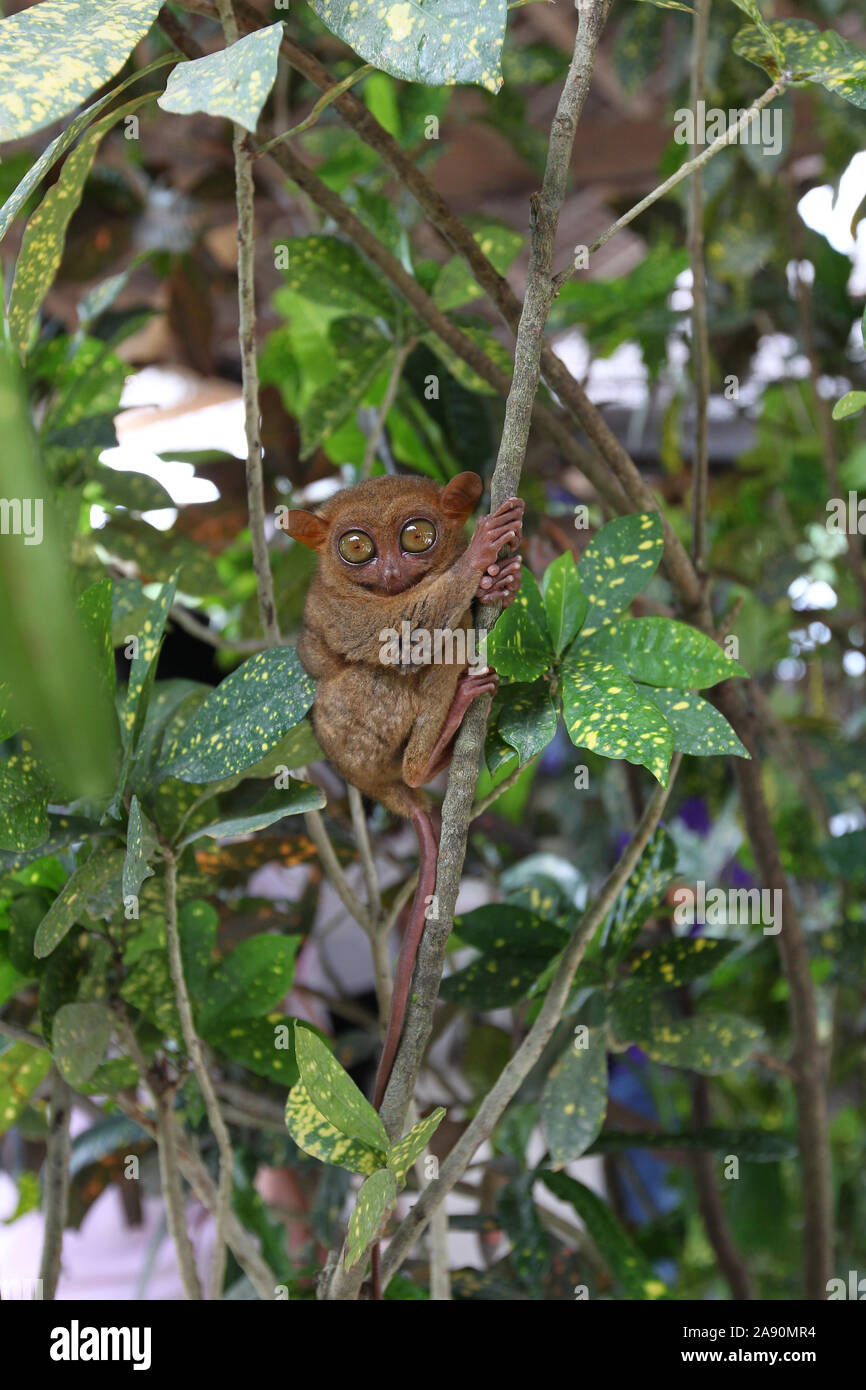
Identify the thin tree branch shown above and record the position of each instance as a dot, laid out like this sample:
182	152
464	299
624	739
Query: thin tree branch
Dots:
245	195
202	1075
326	100
203	633
332	867
56	1184
516	1071
731	135
172	1191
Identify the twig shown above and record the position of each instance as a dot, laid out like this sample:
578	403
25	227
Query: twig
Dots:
170	1176
245	195
24	1035
365	851
329	97
206	634
56	1184
202	1075
332	867
391	390
516	1071
731	135
700	348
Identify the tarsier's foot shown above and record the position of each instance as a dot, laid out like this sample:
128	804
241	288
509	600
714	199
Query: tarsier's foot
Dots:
501	582
475	681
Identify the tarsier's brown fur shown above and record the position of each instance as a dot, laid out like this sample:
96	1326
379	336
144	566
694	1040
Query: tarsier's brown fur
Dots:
390	729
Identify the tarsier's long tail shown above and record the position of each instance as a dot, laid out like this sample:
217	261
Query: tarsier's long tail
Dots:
428	853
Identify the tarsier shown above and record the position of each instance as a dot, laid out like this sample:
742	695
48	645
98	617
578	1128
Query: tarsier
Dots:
393	551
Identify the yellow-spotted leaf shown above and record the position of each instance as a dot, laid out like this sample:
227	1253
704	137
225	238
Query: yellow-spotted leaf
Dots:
24	788
677	962
64	141
372	355
55	54
22	1069
89	886
509	928
698	727
460	368
664	652
456	285
142	671
809	54
437	42
565	602
375	1199
642	896
518	647
618	562
849	404
626	1262
495	981
45	233
574	1099
249	981
265	1046
707	1043
403	1154
240	721
333	273
604	713
140	846
320	1139
234	82
80	1035
527	718
334	1093
274	806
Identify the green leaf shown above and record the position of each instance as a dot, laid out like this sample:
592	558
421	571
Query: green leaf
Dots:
402	1155
197	924
437	44
698	727
625	1261
95	609
670	5
234	82
643	895
332	272
140	845
11	979
142	672
565	602
677	962
101	872
242	719
662	652
849	404
505	927
617	564
149	988
320	1139
54	54
253	1043
22	1069
574	1099
527	718
705	1043
334	1093
251	979
494	981
810	54
604	713
297	797
375	1199
530	1240
460	368
45	234
79	1040
455	283
24	787
518	646
337	400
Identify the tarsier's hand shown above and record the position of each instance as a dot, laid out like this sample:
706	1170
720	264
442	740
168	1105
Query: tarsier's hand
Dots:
503	528
501	582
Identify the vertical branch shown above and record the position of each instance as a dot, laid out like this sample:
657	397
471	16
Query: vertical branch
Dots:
245	196
403	353
56	1187
169	1172
202	1075
700	332
459	796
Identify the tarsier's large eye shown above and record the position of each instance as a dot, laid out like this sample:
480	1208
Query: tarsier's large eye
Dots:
356	547
417	535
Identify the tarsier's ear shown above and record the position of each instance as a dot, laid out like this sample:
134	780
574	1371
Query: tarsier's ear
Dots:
307	528
460	496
